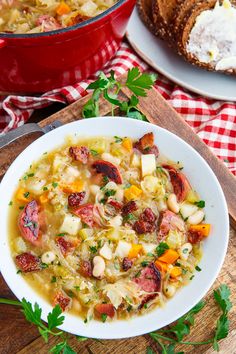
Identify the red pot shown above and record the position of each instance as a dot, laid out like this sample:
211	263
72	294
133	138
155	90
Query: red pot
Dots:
40	62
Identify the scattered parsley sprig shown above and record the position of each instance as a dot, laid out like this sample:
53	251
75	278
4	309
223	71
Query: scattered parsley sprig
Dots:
109	88
182	327
176	332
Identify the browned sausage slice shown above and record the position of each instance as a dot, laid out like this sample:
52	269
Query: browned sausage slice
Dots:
29	223
179	181
149	280
109	170
63	300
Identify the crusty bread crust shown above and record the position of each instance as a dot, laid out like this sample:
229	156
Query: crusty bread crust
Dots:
163	11
145	12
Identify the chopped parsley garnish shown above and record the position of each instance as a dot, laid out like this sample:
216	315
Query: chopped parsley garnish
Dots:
54	184
110	192
103	201
26	194
184	271
149	254
129	308
137	274
129	217
144	263
105	179
93	249
10	203
44	265
191	278
77	288
99	243
21	207
70	293
45	188
160	169
62	234
161	248
93	152
103	317
118	139
200	204
30	174
19	271
145	306
53	279
85	320
198	269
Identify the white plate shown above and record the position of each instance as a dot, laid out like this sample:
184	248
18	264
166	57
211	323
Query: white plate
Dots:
158	55
202	179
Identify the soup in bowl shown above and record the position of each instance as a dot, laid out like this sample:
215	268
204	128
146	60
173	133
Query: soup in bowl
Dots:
115	227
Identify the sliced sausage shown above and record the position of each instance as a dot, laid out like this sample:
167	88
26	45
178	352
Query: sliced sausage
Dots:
179	181
106	309
146	145
63	300
113	207
86	268
109	170
169	221
85	212
75	199
79	153
128	208
27	262
126	264
149	280
29	222
64	245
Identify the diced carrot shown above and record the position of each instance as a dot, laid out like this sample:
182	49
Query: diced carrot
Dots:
63	9
161	266
132	192
204	229
170	256
20	195
175	272
127	144
74	187
43	199
135	251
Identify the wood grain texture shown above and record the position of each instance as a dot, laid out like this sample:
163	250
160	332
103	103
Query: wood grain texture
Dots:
17	336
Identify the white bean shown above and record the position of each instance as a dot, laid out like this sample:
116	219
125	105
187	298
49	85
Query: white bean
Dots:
106	252
196	218
185	250
48	257
98	267
169	290
172	203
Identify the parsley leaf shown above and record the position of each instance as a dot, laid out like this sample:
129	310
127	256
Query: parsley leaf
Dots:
150	351
63	348
161	248
110	192
139	82
103	317
200	204
93	152
55	318
81	339
221	296
118	139
93	249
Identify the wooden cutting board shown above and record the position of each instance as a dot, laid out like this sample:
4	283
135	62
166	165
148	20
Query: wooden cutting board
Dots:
17	336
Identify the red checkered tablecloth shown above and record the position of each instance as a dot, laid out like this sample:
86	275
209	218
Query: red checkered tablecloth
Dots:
213	121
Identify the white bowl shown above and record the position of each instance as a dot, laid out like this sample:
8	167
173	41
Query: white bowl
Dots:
202	179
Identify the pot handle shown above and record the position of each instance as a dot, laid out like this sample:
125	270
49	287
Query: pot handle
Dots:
26	129
3	43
